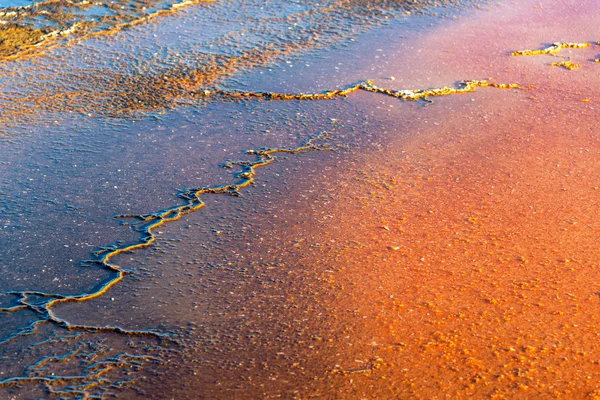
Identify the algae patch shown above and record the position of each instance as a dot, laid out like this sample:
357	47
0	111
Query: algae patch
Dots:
16	38
554	49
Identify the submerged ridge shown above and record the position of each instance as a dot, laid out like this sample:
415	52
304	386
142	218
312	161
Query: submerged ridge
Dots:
407	95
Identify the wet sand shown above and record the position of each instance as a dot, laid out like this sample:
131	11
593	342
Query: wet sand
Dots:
436	250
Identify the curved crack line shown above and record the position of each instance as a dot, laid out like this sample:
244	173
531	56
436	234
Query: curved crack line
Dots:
192	202
92	375
368	86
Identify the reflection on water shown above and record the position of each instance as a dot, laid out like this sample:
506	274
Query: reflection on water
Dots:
14	3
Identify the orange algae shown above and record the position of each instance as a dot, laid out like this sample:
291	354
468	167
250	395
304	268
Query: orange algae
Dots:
480	289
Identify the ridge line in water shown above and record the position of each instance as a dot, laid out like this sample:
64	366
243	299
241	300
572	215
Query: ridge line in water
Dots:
465	86
91	377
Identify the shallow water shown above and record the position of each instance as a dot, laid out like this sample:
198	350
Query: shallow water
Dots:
392	264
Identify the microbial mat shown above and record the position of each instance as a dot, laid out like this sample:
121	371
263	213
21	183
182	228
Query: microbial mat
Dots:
350	199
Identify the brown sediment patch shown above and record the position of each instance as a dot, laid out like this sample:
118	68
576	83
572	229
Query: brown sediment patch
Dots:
121	94
61	21
552	50
78	21
15	38
118	94
140	85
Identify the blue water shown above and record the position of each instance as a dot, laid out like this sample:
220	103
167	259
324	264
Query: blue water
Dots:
14	3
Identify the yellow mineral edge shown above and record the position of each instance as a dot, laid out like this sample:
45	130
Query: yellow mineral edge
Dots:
555	48
565	64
